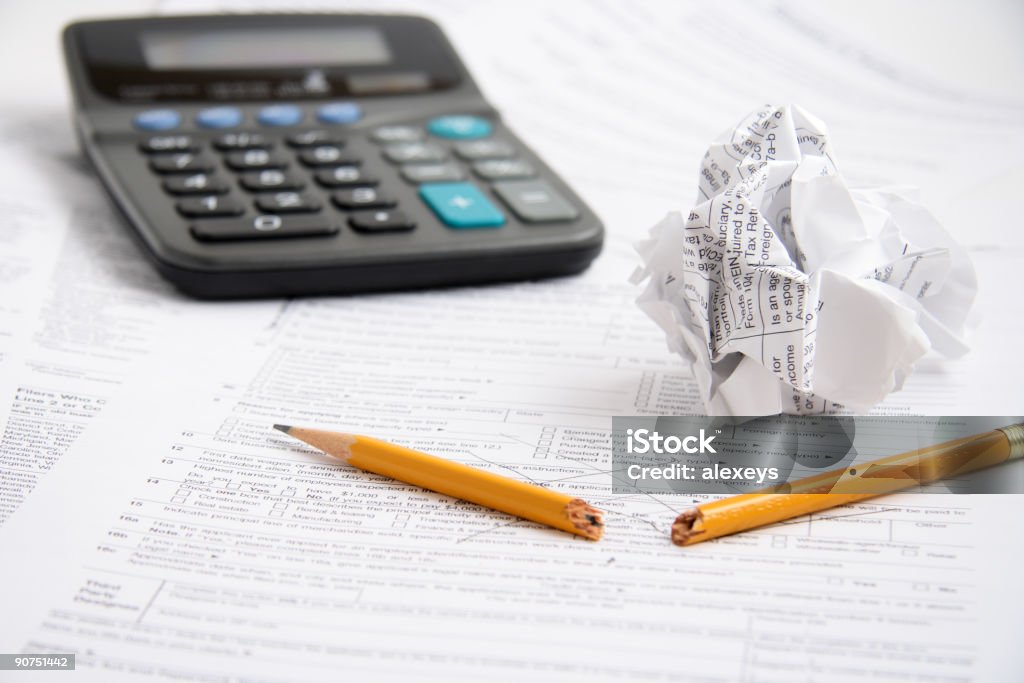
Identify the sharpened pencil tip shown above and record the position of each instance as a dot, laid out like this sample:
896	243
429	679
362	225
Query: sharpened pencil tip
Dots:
282	428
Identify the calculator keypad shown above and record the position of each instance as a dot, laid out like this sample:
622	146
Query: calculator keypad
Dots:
283	179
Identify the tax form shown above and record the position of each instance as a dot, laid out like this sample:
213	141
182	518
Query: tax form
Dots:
218	549
249	557
80	307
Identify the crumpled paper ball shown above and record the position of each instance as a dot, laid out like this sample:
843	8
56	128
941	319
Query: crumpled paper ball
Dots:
788	291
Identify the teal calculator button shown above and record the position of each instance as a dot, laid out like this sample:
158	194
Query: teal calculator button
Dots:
158	119
460	127
461	205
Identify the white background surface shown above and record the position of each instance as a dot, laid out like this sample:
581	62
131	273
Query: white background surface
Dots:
972	49
652	127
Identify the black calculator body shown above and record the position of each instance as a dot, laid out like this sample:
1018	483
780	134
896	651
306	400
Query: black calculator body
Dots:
279	155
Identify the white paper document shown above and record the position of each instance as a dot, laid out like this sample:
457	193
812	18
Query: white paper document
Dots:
80	310
204	545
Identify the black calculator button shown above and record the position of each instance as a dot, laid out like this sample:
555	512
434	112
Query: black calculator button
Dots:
345	176
270	179
235	141
484	149
287	202
263	226
197	183
362	198
381	220
534	201
168	143
413	152
387	134
503	169
311	138
181	163
252	159
326	155
209	206
431	173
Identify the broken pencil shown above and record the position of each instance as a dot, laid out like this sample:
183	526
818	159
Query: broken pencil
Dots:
518	498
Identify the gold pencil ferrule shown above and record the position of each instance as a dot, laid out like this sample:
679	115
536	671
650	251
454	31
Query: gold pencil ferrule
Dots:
1015	435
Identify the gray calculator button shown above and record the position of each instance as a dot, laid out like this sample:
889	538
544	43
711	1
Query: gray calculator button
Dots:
197	183
345	176
326	155
270	179
534	201
168	143
287	202
263	226
203	207
387	134
413	152
311	138
252	159
381	220
363	198
503	169
431	173
181	163
232	141
484	149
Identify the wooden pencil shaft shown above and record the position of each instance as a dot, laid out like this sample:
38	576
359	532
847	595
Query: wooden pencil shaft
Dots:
491	490
457	480
846	485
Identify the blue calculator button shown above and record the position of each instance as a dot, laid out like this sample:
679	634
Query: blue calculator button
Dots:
460	127
219	117
339	112
280	115
158	119
461	205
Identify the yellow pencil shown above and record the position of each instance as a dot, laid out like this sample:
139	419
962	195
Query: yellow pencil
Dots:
848	485
517	498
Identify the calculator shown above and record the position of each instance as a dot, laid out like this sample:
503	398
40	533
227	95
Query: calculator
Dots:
280	155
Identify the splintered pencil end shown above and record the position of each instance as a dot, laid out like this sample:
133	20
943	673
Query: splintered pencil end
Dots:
282	428
589	521
684	529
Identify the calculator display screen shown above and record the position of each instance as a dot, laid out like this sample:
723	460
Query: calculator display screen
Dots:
227	58
264	48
